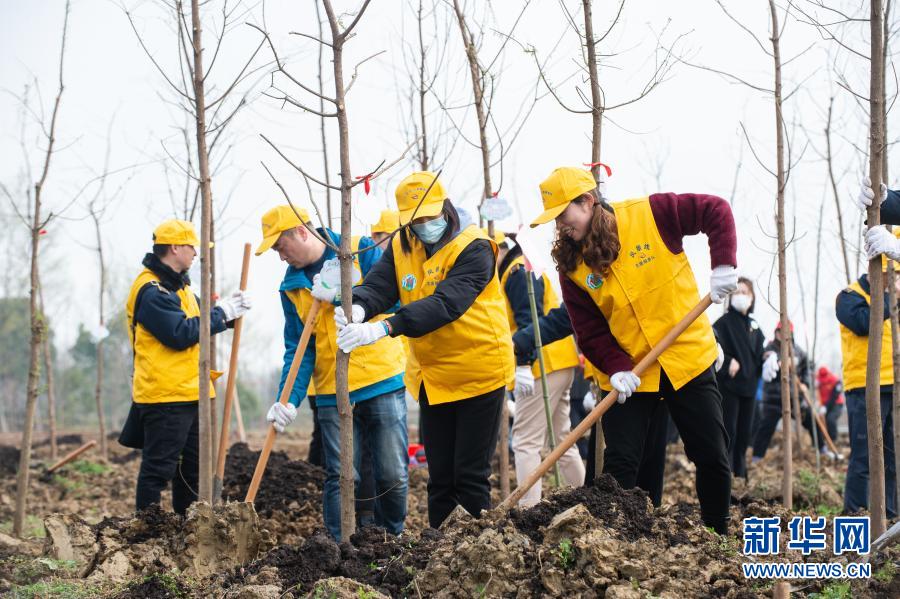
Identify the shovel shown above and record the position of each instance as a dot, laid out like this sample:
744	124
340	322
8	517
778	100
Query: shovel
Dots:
603	406
309	324
219	476
70	456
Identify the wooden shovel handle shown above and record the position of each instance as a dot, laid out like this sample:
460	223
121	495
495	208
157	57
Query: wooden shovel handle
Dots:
71	456
818	418
309	324
603	406
232	374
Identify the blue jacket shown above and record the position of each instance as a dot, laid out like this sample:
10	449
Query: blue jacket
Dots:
301	278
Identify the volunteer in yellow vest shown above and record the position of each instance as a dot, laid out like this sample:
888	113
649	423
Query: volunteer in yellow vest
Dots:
453	312
626	282
529	431
387	225
164	325
852	309
376	373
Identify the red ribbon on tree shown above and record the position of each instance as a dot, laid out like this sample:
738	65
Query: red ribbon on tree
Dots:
367	182
605	167
42	232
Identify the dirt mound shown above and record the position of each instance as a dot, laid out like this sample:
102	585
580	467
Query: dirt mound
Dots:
9	460
71	439
289	500
155	586
124	458
629	512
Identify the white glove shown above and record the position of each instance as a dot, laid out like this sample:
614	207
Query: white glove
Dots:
879	240
362	333
733	368
770	368
281	415
625	383
723	281
588	402
822	410
323	292
867	195
524	381
358	313
720	359
237	305
511	408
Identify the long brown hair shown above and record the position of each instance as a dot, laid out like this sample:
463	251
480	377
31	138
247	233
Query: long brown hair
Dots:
597	250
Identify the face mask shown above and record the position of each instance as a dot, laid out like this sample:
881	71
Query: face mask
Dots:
430	231
741	302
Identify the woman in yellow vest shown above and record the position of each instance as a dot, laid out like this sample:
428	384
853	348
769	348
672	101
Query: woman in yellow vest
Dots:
453	312
529	431
626	282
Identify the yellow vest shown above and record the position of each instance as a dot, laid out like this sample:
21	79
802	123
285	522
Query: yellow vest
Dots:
163	374
557	355
473	354
369	364
648	290
855	351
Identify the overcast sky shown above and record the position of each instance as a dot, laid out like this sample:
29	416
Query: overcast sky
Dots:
684	137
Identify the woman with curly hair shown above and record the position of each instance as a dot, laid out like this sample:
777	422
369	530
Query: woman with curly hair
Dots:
626	282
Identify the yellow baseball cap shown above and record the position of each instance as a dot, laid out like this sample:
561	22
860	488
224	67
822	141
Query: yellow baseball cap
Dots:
499	236
176	232
410	192
388	222
564	185
278	220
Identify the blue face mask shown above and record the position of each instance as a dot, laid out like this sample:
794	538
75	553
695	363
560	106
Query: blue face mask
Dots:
431	231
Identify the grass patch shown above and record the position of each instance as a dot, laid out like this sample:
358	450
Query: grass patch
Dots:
886	573
88	467
58	589
828	511
565	554
836	590
34	527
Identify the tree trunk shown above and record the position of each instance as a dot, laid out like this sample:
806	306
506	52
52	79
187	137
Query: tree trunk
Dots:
834	191
98	387
204	403
876	283
596	95
487	192
51	391
423	91
37	323
345	410
213	356
787	337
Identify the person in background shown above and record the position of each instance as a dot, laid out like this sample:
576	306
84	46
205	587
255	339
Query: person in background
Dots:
529	431
163	316
770	411
375	374
626	282
461	356
388	224
831	399
742	342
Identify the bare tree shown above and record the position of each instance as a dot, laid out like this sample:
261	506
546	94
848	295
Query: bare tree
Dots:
829	159
38	327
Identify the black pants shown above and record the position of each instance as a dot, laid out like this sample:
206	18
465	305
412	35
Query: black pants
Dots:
460	440
738	415
651	473
580	388
696	409
770	414
171	453
832	415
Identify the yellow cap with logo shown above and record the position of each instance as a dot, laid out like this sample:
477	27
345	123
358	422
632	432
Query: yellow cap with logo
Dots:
564	185
278	220
176	232
388	222
411	191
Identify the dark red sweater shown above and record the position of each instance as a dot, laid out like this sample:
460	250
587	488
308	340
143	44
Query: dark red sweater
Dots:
676	216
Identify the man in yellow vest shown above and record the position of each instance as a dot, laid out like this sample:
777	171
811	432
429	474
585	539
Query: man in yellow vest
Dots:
852	309
164	325
529	432
376	374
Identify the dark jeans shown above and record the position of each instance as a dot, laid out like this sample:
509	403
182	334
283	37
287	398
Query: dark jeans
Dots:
460	439
383	417
856	488
696	410
770	414
171	453
737	413
651	473
580	387
315	456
